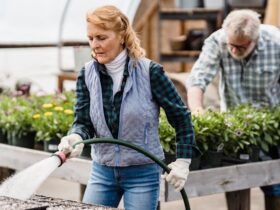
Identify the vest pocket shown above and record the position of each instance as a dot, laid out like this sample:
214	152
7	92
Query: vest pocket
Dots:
146	135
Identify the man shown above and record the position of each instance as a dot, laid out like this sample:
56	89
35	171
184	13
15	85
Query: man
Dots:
246	54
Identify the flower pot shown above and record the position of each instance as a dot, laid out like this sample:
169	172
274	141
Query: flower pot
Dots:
212	158
26	140
233	160
195	164
3	138
10	138
51	145
255	152
39	145
251	155
169	158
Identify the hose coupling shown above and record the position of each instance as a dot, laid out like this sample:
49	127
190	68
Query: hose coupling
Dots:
61	155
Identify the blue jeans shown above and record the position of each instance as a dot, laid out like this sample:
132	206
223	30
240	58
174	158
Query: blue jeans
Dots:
139	186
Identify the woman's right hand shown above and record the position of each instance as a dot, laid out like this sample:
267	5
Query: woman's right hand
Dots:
66	145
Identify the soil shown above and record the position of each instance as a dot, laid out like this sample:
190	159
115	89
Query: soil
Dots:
38	202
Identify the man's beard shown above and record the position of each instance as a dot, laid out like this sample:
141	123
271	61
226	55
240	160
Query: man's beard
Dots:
245	54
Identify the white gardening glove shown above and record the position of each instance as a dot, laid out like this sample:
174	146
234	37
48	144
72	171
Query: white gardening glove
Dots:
66	145
178	174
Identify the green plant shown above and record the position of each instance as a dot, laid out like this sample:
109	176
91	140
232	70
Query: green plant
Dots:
237	130
16	115
252	126
54	116
209	131
166	134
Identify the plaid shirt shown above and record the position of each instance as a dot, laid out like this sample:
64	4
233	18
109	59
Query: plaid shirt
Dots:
254	80
164	94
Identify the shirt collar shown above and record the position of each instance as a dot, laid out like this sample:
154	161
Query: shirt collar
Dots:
101	68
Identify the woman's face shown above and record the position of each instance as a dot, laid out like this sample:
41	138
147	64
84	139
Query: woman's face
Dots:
105	44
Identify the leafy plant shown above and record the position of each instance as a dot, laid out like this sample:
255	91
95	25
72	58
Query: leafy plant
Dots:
54	117
238	130
16	115
252	126
209	131
166	134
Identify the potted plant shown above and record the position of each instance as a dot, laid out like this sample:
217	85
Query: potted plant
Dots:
209	137
250	129
17	120
54	118
166	134
167	140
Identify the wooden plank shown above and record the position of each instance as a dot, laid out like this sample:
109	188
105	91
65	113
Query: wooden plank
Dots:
230	178
181	56
47	44
189	14
200	183
20	158
144	12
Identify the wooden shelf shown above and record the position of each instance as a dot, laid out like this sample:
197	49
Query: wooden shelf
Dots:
190	14
180	56
211	16
62	76
39	45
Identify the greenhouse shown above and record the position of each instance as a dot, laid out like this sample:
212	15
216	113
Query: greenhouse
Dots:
140	104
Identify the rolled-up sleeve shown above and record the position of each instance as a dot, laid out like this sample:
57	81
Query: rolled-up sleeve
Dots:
208	63
178	115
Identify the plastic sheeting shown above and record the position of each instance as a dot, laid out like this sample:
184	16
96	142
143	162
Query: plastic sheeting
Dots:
38	21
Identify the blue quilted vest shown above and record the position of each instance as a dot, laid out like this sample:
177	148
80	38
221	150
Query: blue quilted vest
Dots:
139	115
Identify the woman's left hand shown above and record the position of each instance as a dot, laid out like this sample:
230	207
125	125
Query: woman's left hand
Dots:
178	174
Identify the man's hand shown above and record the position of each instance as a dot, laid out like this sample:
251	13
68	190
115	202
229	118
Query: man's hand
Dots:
66	145
178	174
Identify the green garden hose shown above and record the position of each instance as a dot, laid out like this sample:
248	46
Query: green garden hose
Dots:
139	149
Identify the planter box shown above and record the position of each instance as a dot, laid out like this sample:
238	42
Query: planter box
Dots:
26	141
46	203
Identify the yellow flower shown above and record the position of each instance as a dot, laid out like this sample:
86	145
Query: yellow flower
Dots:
45	106
68	111
36	116
58	108
48	114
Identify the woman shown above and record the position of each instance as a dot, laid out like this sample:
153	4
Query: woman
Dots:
119	94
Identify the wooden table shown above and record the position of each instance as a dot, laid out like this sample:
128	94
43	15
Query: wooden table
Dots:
64	76
200	183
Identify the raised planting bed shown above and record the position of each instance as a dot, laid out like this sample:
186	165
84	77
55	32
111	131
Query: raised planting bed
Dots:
39	202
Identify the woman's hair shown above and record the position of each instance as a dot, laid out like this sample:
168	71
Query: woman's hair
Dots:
243	22
111	18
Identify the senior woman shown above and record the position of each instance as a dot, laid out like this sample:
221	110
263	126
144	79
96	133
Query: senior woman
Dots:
119	94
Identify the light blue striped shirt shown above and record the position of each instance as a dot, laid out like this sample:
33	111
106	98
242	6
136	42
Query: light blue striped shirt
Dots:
256	81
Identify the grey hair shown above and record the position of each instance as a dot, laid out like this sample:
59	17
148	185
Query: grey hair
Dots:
243	22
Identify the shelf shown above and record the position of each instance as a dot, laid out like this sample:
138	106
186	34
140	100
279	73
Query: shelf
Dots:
41	44
211	16
179	56
190	14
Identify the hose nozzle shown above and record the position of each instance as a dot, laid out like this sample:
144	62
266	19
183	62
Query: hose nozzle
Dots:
61	155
